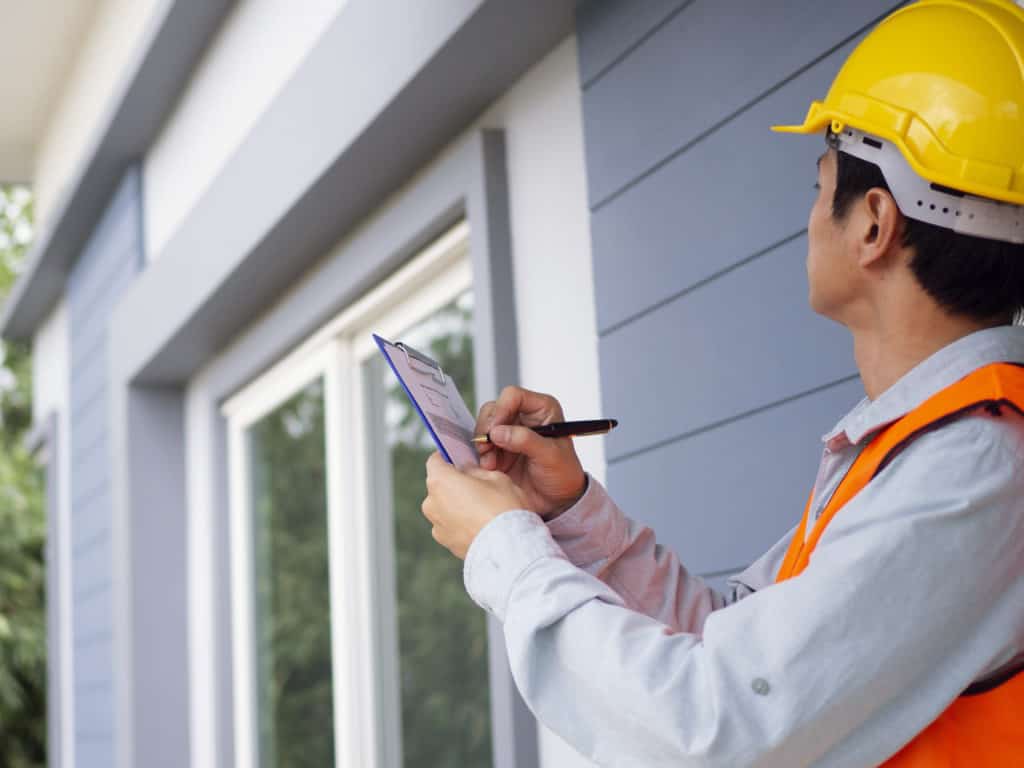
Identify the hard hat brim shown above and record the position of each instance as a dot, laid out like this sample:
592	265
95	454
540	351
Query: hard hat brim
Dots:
895	126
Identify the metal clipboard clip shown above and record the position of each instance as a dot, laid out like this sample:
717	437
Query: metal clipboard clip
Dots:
427	365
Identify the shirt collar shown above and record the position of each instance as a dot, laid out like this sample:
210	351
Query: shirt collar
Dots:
1004	344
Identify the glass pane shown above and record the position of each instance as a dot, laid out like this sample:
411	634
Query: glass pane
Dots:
292	604
442	635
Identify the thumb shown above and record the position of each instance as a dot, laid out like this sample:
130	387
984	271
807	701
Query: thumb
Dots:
480	473
519	439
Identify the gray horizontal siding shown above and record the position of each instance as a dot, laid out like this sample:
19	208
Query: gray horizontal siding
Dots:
609	31
94	611
721	376
737	344
749	476
700	68
104	269
95	749
738	191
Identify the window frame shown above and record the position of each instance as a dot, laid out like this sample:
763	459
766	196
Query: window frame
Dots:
337	353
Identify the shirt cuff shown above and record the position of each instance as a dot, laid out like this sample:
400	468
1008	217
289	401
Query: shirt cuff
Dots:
574	520
504	549
593	530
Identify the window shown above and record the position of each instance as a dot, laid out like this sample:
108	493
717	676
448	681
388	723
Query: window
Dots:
355	643
441	652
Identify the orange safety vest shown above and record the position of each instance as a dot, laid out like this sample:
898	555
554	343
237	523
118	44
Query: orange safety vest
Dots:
984	726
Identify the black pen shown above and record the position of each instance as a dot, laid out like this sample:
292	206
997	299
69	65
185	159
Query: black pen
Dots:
566	429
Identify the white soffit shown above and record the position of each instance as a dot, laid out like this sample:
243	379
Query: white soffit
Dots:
40	43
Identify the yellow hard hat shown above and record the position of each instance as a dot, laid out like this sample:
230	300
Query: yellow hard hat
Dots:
943	81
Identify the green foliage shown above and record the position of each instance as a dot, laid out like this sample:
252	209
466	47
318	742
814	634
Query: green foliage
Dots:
22	526
442	635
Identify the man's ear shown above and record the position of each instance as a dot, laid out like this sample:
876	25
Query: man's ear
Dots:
880	227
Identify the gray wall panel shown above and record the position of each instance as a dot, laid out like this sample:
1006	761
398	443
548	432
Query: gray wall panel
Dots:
607	31
90	584
85	501
94	328
722	377
736	344
731	195
95	717
95	749
91	429
158	655
89	655
94	611
698	69
87	394
86	543
94	484
98	548
721	498
107	264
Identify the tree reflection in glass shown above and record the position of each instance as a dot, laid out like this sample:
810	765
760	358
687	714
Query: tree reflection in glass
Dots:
292	602
442	635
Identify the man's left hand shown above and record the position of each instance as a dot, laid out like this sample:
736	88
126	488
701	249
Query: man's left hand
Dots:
460	502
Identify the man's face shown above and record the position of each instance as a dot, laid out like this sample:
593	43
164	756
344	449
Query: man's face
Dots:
830	276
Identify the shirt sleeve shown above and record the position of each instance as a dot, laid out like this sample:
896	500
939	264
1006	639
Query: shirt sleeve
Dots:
912	593
598	538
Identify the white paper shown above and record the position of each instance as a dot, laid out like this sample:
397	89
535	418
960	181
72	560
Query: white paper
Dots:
440	404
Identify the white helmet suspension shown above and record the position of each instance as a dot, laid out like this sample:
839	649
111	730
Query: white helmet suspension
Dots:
919	199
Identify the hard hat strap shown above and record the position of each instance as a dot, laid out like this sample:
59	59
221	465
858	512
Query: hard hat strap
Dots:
923	201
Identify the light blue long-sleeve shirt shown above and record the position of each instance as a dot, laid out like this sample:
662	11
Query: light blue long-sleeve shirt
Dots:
915	590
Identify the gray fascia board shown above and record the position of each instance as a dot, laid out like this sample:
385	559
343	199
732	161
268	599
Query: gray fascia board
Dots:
312	168
175	39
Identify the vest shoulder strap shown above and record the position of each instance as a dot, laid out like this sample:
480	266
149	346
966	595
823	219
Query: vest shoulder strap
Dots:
994	388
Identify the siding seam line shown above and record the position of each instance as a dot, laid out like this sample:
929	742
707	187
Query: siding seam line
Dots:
93	737
88	598
91	396
91	542
91	591
83	504
730	117
89	639
724	422
628	51
617	325
91	686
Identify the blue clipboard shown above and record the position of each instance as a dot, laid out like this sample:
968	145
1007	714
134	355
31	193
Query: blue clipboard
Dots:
436	399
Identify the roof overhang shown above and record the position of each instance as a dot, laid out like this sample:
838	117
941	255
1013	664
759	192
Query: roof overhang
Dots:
36	57
333	163
178	33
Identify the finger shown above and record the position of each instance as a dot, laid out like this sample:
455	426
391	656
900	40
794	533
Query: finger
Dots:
436	465
489	460
483	423
483	420
516	405
523	440
481	473
427	508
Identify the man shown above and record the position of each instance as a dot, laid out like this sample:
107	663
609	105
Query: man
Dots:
888	627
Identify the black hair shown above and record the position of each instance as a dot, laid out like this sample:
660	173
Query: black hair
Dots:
972	276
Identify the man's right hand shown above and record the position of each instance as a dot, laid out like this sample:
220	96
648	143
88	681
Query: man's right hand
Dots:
547	470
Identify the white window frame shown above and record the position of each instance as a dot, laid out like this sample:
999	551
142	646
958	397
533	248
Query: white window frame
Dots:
337	353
